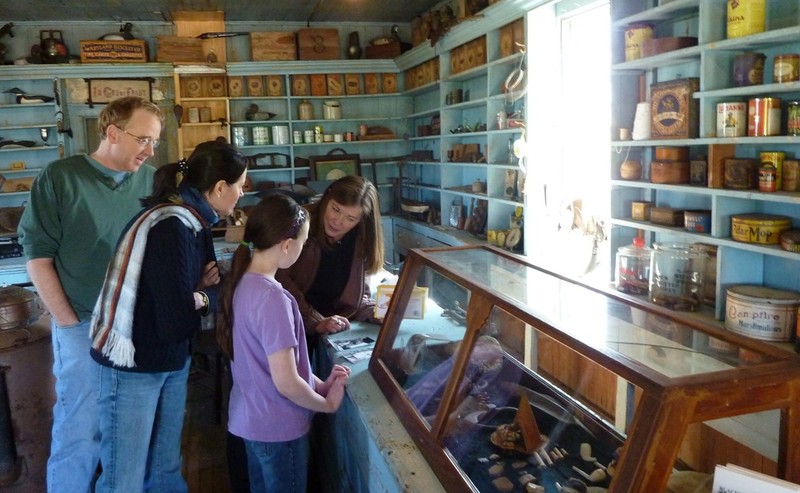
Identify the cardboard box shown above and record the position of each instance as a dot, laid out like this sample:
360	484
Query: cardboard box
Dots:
318	44
335	83
235	86
179	49
352	84
674	111
274	85
416	304
372	84
255	85
389	83
300	85
269	46
318	85
122	51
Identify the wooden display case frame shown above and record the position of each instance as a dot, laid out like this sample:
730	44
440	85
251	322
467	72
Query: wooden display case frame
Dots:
757	378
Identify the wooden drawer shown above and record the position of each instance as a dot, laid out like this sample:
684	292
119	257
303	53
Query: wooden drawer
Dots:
404	239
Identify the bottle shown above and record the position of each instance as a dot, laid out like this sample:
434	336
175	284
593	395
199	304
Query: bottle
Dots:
502	120
633	267
305	110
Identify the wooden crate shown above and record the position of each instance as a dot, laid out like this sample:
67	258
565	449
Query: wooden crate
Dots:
235	86
372	84
275	85
255	85
388	83
318	44
179	49
122	51
266	46
300	85
507	40
318	85
352	84
387	50
214	86
192	23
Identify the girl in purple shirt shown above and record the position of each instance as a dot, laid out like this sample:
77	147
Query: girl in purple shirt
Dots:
260	328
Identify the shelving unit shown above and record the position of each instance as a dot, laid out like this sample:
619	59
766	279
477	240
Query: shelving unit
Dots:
442	181
25	123
712	61
201	89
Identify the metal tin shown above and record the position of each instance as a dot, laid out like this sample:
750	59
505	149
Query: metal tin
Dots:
349	136
786	68
635	35
763	117
640	211
697	221
297	136
767	178
240	137
793	118
764	229
732	119
762	313
260	136
791	175
748	69
331	110
790	240
363	129
775	158
745	17
740	174
308	136
318	135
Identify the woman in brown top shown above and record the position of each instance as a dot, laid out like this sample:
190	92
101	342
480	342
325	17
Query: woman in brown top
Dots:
345	244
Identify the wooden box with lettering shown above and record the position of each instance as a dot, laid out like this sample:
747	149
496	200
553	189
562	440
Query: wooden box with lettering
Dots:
388	83
335	84
372	84
255	85
274	85
673	109
352	84
116	51
215	86
318	44
192	87
268	46
299	85
318	85
235	86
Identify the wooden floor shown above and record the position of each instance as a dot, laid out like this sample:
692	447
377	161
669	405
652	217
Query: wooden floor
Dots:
205	463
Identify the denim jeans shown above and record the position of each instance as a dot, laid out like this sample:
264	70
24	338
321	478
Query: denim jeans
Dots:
278	466
75	444
141	418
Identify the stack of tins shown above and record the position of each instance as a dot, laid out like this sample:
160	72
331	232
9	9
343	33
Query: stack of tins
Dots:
670	166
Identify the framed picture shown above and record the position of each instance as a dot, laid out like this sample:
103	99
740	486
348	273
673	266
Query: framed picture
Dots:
333	166
102	91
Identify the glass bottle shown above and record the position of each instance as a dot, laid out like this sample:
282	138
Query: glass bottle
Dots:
676	276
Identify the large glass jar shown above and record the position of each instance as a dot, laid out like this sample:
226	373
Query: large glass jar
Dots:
676	276
633	268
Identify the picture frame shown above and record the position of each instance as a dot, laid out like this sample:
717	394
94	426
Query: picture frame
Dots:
333	166
102	91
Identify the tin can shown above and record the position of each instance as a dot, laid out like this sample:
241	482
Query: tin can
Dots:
318	135
767	178
261	136
362	130
793	119
297	136
775	158
762	313
697	221
791	175
763	117
786	68
240	136
731	119
763	229
308	136
635	35
745	17
349	136
748	69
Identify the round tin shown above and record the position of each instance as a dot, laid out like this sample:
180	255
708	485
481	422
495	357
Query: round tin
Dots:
731	119
635	35
775	158
793	118
764	229
767	178
791	175
745	17
763	117
748	69
697	221
790	240
786	68
762	313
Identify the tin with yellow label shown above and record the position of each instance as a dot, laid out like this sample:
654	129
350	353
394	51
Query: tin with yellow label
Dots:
635	35
746	17
775	158
759	228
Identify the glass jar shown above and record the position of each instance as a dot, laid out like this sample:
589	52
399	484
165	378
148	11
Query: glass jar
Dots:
305	110
793	120
676	276
633	267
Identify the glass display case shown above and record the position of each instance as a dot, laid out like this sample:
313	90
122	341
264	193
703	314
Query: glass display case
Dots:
521	380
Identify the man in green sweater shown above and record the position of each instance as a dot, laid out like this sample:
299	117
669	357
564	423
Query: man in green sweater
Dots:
77	209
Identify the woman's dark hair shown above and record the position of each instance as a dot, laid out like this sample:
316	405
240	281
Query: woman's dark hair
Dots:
210	162
350	191
276	218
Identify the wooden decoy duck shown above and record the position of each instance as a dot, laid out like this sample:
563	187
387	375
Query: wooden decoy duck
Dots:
25	98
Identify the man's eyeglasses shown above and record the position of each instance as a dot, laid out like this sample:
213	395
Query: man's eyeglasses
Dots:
143	141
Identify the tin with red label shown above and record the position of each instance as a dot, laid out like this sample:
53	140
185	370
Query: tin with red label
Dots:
767	178
763	117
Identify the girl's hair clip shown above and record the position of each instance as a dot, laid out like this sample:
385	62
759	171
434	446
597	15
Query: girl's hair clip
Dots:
182	166
248	245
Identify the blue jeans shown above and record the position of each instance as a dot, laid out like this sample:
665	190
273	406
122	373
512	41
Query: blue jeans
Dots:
279	466
75	445
141	418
